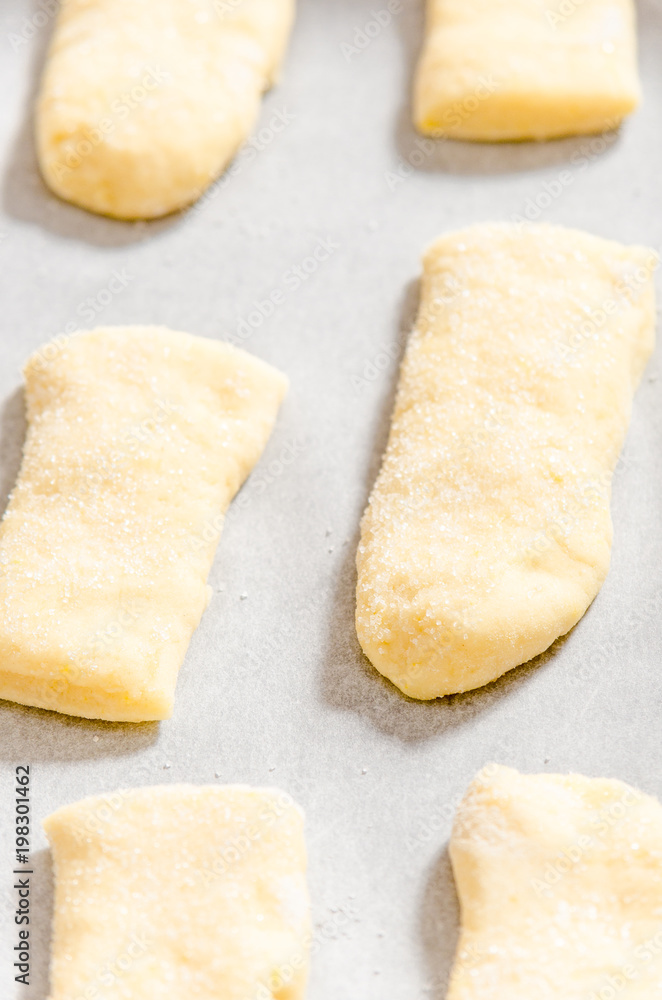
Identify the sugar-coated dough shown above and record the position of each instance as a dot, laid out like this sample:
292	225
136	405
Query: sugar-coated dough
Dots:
180	893
494	70
138	439
560	886
144	102
488	532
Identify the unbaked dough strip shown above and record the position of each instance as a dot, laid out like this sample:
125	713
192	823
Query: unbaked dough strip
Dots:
176	892
144	102
488	531
560	886
494	70
138	439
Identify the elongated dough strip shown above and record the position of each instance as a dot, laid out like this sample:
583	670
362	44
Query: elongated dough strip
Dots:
138	439
177	892
560	886
488	531
495	70
144	102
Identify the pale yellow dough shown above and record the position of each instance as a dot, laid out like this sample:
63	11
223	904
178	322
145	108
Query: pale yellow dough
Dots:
488	532
138	439
180	893
144	102
494	70
560	886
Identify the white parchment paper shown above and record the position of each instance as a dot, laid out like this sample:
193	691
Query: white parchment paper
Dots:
275	689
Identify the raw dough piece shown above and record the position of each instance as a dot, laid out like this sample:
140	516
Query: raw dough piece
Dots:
495	70
560	886
178	892
144	102
138	439
488	531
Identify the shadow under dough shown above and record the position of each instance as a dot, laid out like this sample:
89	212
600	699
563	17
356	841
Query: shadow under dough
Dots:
26	197
348	679
29	735
13	427
439	926
452	156
42	890
350	682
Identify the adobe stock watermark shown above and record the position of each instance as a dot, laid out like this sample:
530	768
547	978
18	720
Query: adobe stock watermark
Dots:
88	309
596	662
443	815
461	111
614	983
120	109
447	290
378	364
279	121
292	279
551	190
273	644
564	11
256	485
225	8
575	511
236	848
602	823
406	166
365	34
287	972
31	26
135	948
627	292
93	820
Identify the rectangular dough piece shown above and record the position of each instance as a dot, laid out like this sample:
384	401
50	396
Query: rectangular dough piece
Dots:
497	70
180	893
138	439
143	103
488	531
560	886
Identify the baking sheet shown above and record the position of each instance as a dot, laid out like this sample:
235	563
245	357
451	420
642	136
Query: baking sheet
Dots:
275	689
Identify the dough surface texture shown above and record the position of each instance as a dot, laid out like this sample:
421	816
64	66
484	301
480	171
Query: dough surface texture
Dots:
180	892
560	886
143	103
498	70
488	532
138	439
